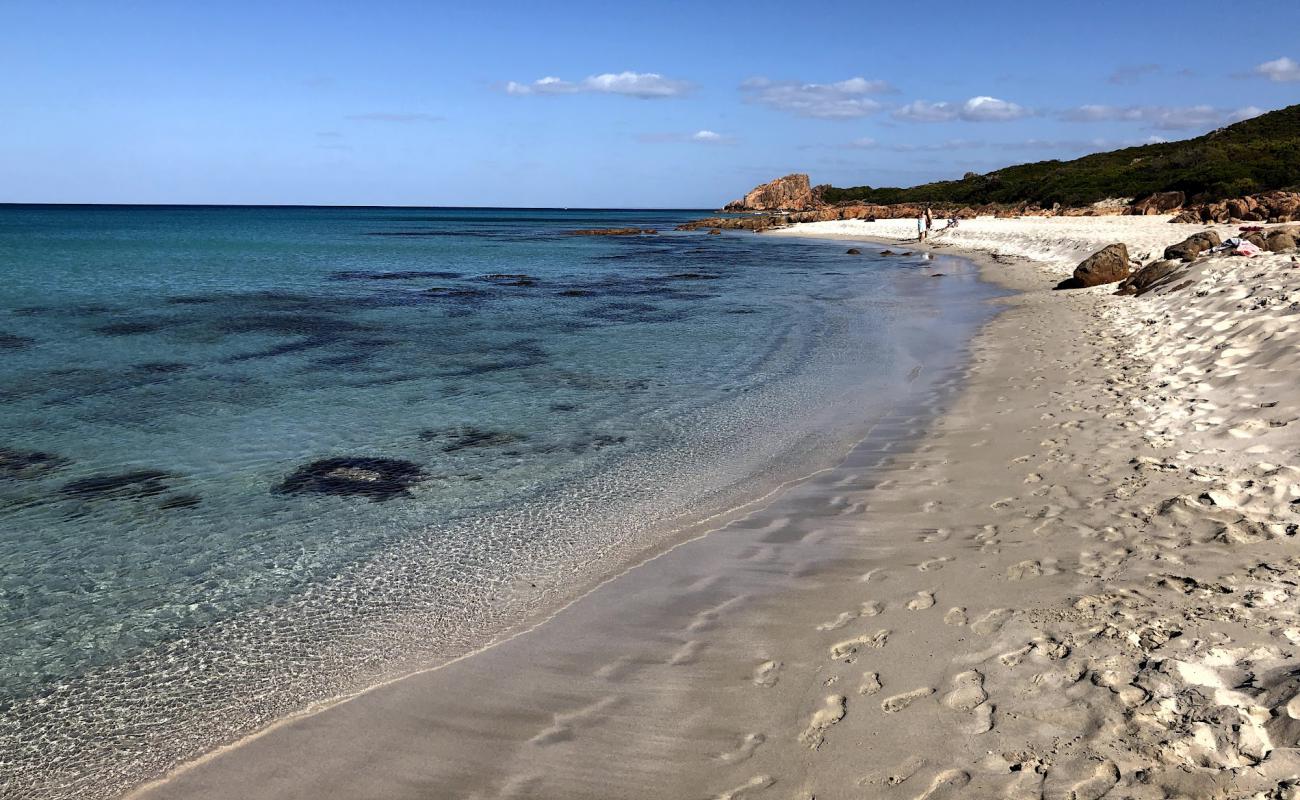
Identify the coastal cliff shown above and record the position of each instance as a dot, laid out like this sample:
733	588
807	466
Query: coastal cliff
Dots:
794	192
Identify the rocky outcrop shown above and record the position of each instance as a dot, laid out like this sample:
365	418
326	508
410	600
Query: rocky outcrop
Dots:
1107	265
1158	203
1266	207
794	192
1146	278
1191	247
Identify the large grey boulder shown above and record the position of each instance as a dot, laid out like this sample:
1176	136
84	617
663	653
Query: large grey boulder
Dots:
1107	265
1191	247
1147	277
1280	241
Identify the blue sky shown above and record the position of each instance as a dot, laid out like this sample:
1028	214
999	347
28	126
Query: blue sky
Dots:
601	104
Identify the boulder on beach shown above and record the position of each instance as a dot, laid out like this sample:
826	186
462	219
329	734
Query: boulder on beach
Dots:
1107	265
1191	247
853	251
1144	279
1281	241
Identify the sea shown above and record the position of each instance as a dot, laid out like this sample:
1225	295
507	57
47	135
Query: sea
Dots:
255	458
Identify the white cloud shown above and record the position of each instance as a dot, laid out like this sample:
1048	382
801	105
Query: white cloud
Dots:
976	109
1280	69
699	137
923	111
847	99
645	85
991	109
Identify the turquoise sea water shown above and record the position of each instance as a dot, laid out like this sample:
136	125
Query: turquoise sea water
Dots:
256	457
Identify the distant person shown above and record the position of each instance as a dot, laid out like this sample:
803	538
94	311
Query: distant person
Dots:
952	221
920	227
929	221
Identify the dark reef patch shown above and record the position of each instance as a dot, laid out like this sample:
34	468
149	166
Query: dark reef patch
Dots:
130	327
695	276
29	464
404	275
127	485
180	501
636	312
468	436
514	279
9	341
191	300
455	294
376	479
162	367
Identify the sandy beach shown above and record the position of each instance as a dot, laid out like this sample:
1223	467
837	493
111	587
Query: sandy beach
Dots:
1077	582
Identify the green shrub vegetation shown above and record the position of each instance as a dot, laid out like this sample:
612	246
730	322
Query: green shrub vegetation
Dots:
1252	156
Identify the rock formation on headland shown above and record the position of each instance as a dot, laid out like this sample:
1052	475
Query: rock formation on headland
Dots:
1277	206
794	192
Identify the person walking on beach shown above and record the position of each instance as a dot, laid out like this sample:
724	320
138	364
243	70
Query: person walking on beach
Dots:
929	221
920	227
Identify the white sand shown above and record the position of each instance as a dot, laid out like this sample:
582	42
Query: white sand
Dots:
1083	582
1057	243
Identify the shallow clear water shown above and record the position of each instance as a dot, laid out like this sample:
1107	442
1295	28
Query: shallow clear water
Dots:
513	411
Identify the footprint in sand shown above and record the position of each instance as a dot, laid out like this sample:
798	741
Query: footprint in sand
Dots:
900	774
921	602
1014	658
871	609
563	725
869	574
968	691
1023	570
935	535
870	683
767	674
1102	781
747	746
616	669
705	619
992	622
1027	785
981	720
955	616
851	647
945	784
815	734
754	784
892	705
686	654
838	622
933	564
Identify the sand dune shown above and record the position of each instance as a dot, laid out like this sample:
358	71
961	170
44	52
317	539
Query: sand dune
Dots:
1080	582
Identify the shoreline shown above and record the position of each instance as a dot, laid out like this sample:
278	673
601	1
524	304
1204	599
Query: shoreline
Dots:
781	657
271	698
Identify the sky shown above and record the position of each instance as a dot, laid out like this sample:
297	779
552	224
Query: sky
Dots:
603	104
